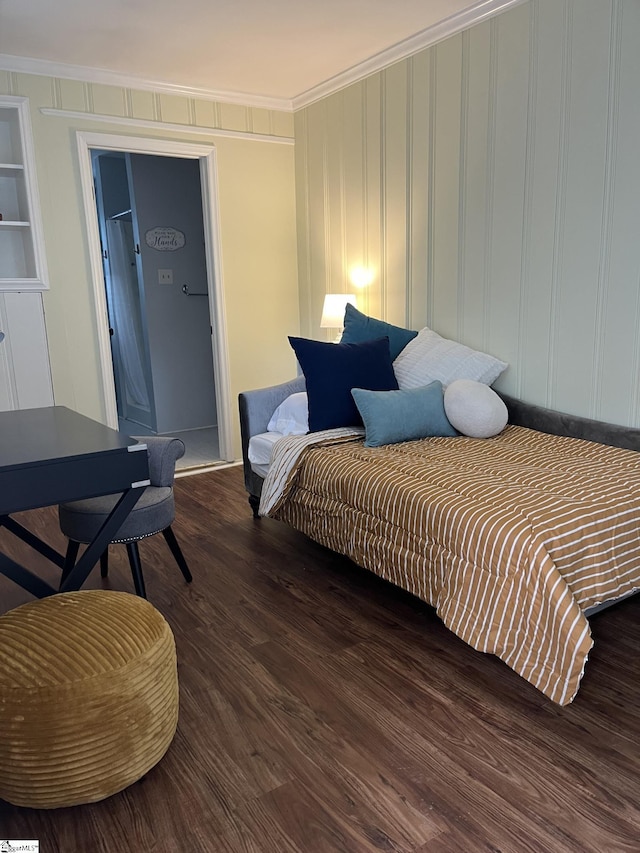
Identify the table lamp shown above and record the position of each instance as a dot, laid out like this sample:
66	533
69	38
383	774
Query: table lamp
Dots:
333	310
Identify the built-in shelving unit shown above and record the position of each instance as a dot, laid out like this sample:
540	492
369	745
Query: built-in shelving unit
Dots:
22	264
25	373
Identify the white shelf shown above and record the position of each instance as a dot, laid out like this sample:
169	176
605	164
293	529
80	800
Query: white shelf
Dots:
22	261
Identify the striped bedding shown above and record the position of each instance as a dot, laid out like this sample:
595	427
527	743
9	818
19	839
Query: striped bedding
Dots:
511	539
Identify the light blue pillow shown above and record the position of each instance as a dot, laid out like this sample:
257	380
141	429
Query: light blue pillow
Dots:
393	416
358	328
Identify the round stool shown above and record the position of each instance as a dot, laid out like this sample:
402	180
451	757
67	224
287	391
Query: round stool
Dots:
88	696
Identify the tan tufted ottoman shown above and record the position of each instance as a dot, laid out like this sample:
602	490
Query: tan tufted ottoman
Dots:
88	696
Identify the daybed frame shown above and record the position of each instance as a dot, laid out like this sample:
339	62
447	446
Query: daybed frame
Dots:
257	406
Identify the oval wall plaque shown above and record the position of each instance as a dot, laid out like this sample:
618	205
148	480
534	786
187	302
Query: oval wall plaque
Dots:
164	239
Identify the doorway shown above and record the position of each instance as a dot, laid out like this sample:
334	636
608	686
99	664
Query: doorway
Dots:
158	293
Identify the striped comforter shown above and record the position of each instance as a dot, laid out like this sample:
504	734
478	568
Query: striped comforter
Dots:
509	538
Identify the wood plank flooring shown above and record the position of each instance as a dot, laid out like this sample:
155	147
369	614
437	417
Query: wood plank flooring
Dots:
324	710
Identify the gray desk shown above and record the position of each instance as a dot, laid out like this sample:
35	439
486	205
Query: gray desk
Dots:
53	455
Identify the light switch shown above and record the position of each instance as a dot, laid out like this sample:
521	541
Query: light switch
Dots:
165	276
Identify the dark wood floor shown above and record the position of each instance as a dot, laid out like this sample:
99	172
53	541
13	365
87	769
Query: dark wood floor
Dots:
322	710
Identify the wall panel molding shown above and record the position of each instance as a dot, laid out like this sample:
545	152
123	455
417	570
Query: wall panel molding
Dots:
343	200
527	227
363	297
500	185
326	205
409	159
561	197
431	214
462	198
382	221
604	266
164	126
418	141
490	183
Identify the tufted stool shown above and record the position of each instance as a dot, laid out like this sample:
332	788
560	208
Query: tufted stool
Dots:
88	696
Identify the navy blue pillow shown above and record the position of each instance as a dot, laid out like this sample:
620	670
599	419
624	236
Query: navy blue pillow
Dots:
332	370
358	327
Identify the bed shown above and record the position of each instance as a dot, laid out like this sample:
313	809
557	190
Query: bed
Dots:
513	562
515	522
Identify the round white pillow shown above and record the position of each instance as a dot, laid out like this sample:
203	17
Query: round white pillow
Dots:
474	409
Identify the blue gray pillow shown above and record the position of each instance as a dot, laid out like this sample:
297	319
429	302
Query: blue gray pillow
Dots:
358	327
393	416
332	370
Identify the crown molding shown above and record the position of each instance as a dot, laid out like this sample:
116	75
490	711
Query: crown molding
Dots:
450	26
85	74
198	130
408	47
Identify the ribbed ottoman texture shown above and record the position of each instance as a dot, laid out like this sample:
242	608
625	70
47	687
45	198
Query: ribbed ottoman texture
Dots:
88	696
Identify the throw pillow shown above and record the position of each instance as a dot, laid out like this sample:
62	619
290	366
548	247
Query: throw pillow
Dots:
430	356
292	416
332	370
474	409
358	327
393	416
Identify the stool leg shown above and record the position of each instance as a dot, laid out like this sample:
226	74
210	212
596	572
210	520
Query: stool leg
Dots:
136	568
69	559
104	563
172	542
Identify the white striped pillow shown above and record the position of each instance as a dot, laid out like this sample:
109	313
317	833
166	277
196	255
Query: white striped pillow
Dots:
429	357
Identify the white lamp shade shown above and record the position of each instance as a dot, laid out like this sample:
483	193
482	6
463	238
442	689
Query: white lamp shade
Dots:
333	309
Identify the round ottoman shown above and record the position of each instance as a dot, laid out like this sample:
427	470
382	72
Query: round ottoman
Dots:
88	696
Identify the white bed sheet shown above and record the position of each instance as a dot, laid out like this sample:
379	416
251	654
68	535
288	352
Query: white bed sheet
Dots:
260	450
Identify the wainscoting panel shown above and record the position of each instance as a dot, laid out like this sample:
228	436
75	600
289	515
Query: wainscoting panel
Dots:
419	140
474	250
577	332
353	180
547	141
619	338
509	202
374	208
445	200
492	182
396	127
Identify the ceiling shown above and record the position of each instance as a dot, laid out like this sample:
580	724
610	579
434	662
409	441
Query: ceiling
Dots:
270	49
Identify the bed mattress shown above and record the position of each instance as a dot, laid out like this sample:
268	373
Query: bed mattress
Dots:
260	451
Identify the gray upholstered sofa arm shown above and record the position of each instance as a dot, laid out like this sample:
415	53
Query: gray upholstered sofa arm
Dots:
559	423
256	408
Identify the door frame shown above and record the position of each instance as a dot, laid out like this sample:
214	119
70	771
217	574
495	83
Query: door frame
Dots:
206	155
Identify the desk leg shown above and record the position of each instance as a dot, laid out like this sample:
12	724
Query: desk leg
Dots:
32	540
24	578
80	572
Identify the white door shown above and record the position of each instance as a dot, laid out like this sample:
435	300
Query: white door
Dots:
206	157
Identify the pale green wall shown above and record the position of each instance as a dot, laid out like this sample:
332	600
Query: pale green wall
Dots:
493	181
257	226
